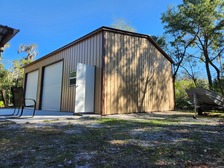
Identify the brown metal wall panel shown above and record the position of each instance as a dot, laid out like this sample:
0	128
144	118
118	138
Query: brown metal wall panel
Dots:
137	76
88	51
133	73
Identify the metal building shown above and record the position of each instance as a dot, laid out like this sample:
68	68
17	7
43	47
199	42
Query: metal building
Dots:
107	71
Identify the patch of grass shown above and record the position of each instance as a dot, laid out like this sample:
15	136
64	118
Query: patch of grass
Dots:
5	123
111	121
48	121
114	122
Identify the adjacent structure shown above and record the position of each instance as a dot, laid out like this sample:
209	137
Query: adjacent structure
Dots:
108	71
6	34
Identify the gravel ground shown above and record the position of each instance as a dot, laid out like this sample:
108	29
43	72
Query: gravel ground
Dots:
157	139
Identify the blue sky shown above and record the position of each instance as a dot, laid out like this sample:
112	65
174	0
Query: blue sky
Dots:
54	23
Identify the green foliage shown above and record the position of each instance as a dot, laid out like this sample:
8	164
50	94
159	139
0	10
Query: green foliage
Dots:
2	70
3	48
160	40
181	98
197	24
1	104
5	76
195	17
216	85
18	72
14	76
123	25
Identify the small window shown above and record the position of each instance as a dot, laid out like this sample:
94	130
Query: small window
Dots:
72	78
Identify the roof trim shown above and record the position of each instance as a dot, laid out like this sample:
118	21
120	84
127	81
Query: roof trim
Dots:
104	28
6	34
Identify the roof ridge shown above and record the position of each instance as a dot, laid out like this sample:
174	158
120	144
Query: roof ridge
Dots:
105	28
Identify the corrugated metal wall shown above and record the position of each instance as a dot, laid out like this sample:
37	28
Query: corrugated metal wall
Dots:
136	76
88	51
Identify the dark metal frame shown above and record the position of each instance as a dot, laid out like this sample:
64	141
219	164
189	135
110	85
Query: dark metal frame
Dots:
19	101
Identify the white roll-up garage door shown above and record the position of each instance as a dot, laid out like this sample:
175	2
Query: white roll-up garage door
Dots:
52	82
31	86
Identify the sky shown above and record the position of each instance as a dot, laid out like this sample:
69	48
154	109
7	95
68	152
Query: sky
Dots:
52	24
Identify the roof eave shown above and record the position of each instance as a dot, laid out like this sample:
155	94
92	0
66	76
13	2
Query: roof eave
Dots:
104	28
11	32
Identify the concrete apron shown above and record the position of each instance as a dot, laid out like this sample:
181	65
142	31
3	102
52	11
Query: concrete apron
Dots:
41	116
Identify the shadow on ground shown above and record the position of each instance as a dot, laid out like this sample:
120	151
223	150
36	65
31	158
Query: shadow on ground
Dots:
134	140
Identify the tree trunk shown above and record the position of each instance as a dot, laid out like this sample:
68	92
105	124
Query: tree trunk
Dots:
218	77
209	76
207	61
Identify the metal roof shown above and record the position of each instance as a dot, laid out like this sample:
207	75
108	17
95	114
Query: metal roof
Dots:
104	28
6	33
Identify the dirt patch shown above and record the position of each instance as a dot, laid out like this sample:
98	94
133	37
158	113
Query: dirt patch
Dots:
162	139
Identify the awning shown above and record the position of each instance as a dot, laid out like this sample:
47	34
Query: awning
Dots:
6	33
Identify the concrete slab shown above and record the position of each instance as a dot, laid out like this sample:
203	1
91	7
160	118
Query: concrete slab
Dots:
41	116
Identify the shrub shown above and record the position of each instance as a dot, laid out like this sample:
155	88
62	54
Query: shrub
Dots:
1	104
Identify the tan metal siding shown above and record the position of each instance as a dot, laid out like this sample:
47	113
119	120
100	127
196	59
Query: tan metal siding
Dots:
137	76
88	51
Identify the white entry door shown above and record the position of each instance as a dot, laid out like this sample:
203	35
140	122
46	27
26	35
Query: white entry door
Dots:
31	86
52	83
85	84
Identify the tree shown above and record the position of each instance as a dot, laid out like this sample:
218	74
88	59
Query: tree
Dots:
197	24
177	49
181	98
181	84
123	25
161	41
3	48
6	81
17	72
5	75
30	50
14	76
